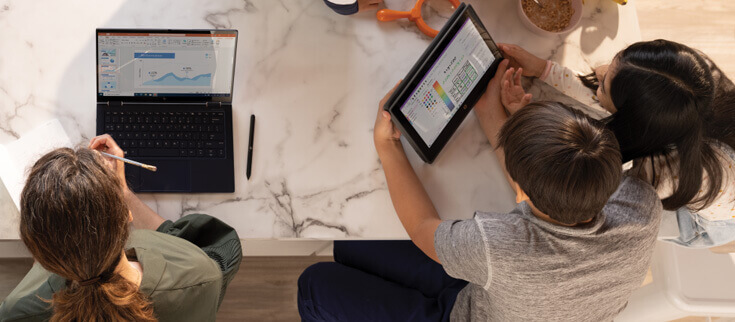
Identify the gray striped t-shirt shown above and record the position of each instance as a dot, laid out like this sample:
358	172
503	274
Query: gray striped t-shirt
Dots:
522	268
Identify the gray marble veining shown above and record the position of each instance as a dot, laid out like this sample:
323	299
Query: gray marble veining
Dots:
313	78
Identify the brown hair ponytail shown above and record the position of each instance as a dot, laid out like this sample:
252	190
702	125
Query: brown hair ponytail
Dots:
74	222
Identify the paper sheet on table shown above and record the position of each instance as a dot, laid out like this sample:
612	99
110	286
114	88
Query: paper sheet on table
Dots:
17	157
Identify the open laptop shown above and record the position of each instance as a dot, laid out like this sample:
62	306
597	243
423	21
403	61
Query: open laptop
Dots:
165	96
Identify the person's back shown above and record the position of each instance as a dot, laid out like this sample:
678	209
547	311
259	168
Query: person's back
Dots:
179	280
540	271
75	216
579	243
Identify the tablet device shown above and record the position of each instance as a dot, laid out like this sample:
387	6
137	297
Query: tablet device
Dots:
445	83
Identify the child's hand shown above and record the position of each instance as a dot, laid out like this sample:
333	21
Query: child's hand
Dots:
512	94
489	105
385	132
520	58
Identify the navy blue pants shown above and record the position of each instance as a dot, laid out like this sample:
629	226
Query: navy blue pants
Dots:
377	281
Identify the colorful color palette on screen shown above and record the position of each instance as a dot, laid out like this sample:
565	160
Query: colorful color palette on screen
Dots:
443	95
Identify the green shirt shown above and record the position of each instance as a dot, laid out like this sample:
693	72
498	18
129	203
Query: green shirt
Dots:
183	283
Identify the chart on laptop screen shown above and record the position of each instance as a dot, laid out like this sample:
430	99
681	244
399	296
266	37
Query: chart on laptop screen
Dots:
171	69
147	64
448	83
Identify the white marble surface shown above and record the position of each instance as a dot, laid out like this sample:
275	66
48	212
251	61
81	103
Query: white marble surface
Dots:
312	77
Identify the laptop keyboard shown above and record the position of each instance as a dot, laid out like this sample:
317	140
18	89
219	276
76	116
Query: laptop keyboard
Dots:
168	134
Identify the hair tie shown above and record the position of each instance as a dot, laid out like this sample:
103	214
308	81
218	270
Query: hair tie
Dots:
106	275
90	281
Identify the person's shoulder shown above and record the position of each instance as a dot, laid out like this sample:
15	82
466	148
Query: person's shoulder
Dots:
25	302
635	200
505	225
496	218
488	219
517	215
184	283
15	315
632	187
172	248
475	228
185	263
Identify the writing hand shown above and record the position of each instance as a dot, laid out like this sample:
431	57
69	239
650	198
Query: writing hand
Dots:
105	143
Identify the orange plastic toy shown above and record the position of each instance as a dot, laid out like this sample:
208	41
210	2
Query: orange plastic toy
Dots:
413	15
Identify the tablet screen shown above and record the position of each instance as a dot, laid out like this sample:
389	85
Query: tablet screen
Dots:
448	83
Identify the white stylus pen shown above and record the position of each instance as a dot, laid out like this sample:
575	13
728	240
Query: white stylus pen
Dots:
142	165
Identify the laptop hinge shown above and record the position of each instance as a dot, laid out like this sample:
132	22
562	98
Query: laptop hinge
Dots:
115	103
213	104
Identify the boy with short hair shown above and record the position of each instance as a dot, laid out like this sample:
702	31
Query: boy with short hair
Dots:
576	246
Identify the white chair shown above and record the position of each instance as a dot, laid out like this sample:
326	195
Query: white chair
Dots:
686	282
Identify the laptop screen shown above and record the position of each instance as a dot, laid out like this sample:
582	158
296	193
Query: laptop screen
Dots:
178	63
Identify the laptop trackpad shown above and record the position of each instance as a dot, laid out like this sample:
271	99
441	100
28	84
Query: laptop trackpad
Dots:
172	176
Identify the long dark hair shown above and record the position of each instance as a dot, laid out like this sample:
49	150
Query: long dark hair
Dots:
671	111
74	222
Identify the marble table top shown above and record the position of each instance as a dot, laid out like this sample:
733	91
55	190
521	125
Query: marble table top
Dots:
313	78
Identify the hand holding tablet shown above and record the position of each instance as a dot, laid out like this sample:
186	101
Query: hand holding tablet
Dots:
448	79
384	130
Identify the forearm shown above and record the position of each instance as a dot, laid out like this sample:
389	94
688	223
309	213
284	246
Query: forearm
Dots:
143	216
491	125
491	122
410	200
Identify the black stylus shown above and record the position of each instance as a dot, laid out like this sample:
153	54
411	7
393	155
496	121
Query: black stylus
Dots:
250	145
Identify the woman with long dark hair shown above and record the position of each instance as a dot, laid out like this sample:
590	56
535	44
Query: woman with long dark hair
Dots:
90	266
673	113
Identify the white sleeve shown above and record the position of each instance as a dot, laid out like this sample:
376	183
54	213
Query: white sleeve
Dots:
723	207
566	81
